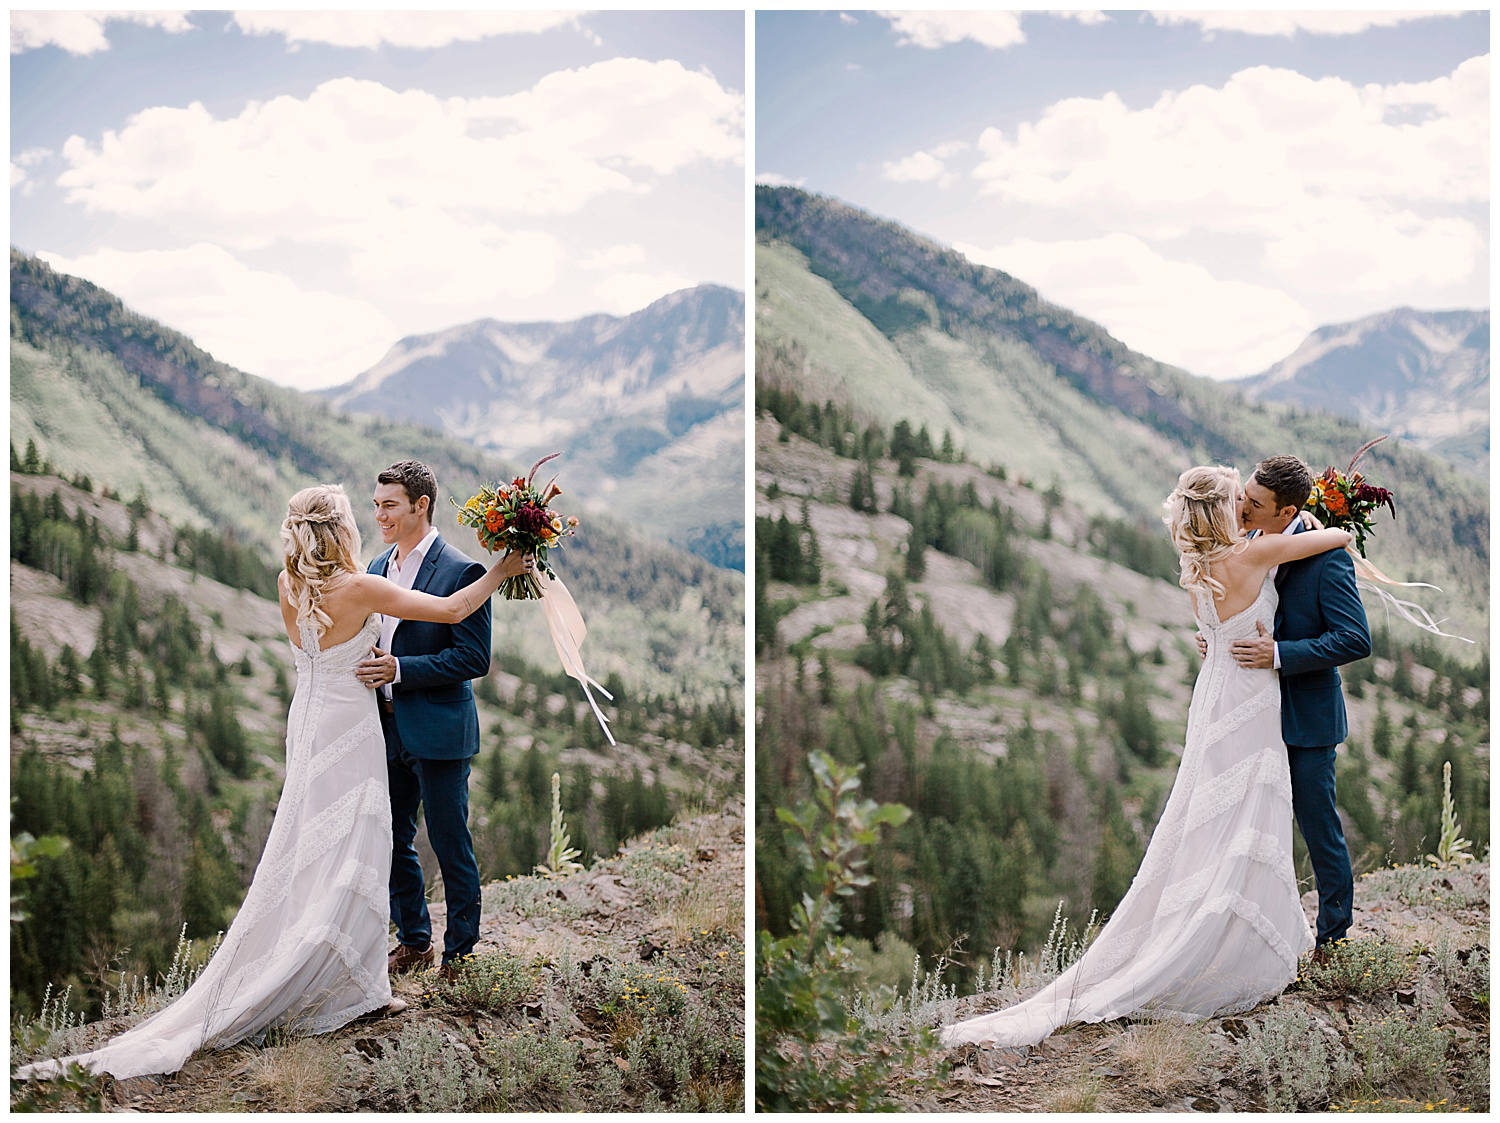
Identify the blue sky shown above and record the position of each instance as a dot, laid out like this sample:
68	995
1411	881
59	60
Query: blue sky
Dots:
298	191
1208	186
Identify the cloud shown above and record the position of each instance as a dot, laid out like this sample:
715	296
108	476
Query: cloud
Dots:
296	336
924	166
19	174
398	29
1290	23
1289	160
628	254
996	30
397	181
82	33
846	18
775	179
940	29
1175	311
623	293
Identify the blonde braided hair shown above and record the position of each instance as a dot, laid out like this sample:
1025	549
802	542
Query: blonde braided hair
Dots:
320	542
1204	524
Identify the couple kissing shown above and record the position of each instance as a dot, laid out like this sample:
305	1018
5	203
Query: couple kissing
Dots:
1213	923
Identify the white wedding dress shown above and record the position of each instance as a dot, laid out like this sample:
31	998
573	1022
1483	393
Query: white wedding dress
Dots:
307	950
1213	922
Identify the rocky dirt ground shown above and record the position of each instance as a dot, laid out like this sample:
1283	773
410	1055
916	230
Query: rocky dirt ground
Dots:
667	910
1120	1066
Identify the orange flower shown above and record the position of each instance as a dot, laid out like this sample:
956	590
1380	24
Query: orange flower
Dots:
493	520
1336	501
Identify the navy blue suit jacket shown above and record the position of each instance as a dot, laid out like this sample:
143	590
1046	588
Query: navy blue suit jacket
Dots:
1320	625
433	702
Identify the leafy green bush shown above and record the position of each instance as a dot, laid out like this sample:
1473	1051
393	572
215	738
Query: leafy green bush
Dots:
811	1053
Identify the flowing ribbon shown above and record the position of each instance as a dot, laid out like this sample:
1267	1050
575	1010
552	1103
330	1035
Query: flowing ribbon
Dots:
565	623
1411	613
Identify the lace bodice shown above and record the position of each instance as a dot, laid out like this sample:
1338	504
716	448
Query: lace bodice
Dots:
341	656
1242	623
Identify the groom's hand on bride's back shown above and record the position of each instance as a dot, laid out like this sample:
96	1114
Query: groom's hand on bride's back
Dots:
376	670
1256	653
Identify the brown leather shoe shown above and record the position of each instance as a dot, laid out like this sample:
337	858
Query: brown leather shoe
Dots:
407	958
448	972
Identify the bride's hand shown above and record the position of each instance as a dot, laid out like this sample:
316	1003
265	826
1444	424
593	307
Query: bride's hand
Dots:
516	563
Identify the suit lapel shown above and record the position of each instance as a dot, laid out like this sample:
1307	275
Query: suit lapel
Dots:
429	565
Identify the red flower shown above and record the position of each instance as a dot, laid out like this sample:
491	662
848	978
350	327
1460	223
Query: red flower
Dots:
531	519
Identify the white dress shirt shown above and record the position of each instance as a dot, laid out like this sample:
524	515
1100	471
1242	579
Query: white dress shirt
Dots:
402	573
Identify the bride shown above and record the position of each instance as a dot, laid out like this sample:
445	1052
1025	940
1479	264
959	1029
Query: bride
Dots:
307	950
1213	922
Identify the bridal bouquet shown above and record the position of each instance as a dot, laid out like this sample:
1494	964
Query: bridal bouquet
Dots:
1346	501
517	516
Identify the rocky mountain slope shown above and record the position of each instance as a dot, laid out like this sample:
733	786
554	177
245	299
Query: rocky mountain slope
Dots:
860	311
104	393
1422	376
615	988
643	406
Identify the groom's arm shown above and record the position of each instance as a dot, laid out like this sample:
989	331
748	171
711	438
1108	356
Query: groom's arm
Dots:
467	657
1346	636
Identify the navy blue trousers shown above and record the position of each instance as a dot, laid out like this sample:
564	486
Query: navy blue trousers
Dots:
1314	804
441	787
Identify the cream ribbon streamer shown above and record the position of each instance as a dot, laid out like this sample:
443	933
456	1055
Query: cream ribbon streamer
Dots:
1412	613
565	623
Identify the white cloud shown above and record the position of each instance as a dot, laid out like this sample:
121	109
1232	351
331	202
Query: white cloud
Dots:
398	29
1174	311
613	257
919	167
996	30
775	179
1292	161
81	33
407	180
260	322
623	293
24	160
924	166
846	18
1289	23
940	29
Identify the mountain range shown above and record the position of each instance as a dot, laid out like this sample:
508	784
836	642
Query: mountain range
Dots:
1422	376
646	409
106	393
860	311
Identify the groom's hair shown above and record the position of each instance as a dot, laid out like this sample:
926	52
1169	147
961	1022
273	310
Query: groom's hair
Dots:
1285	477
416	479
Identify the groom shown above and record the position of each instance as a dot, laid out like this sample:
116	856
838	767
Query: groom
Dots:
421	673
1320	625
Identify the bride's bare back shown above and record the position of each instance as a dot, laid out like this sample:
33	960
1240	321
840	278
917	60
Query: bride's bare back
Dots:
349	599
1243	573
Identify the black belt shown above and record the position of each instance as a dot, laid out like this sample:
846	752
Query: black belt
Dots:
386	704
